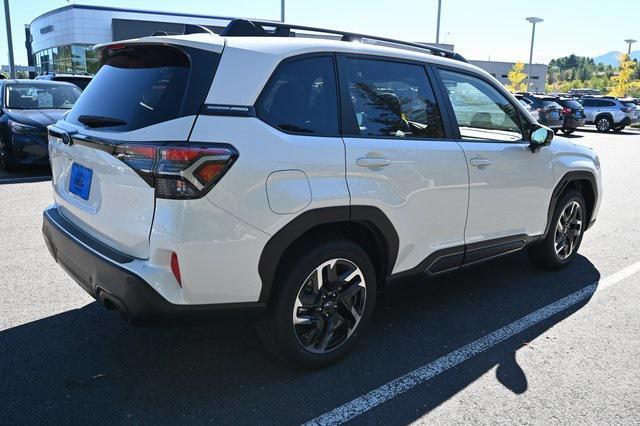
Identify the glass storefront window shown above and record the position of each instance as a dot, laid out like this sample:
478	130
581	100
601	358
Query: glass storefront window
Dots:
71	59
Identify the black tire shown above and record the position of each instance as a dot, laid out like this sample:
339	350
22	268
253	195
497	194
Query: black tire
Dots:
276	329
555	131
618	128
603	124
568	131
543	253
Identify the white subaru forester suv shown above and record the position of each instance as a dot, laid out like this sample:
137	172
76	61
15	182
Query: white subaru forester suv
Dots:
261	174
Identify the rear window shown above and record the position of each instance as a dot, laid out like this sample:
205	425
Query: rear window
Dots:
549	103
572	104
80	82
139	86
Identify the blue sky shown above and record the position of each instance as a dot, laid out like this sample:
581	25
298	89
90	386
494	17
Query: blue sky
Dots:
480	29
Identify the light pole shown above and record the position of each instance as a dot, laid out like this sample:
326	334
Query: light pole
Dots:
438	24
7	18
282	10
630	41
534	21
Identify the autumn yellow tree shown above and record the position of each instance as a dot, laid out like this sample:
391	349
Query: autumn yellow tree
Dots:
622	83
517	78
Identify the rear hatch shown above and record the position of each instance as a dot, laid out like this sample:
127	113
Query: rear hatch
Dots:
104	152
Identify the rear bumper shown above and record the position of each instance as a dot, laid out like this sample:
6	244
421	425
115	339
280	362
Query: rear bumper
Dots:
552	123
573	122
625	122
102	273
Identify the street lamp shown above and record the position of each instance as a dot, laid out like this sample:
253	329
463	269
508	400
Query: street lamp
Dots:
438	24
630	41
282	10
7	17
534	21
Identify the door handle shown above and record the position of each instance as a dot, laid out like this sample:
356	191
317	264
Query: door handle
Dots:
480	162
373	162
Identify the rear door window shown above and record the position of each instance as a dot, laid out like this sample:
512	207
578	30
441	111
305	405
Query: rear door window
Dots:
139	86
392	99
301	98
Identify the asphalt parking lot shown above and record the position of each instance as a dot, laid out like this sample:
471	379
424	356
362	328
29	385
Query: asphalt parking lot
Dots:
501	343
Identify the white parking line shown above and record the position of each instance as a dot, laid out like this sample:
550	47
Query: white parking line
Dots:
422	374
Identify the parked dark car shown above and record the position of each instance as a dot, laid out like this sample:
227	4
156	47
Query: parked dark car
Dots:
549	111
28	107
82	81
573	114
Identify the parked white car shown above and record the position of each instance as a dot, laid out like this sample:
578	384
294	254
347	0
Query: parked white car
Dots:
288	179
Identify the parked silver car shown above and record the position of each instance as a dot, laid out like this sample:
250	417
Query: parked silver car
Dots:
609	113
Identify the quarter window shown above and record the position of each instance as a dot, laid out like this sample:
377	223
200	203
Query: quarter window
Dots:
302	98
482	112
392	99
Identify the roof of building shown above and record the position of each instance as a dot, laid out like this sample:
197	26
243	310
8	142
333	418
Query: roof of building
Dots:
121	9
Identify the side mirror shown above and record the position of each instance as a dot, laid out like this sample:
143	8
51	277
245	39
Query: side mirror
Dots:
540	137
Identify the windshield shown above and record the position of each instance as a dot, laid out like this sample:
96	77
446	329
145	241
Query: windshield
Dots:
41	96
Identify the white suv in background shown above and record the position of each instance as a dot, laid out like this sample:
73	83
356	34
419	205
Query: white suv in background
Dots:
287	179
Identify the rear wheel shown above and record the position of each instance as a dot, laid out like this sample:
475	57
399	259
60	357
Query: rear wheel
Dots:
568	131
324	301
618	128
568	224
604	124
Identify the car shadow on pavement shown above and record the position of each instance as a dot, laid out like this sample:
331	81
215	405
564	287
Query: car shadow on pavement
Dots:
571	136
622	133
86	365
25	174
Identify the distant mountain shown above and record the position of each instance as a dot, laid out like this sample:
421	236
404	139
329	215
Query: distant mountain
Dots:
611	58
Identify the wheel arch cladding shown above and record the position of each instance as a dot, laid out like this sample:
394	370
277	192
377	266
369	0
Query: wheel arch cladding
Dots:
582	181
367	226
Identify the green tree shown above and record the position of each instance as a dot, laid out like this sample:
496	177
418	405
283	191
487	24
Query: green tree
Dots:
517	78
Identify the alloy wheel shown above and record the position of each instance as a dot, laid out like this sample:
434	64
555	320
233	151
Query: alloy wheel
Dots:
329	305
568	230
603	124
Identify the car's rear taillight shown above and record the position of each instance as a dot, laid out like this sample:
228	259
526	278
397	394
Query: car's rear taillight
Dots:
178	171
625	110
567	111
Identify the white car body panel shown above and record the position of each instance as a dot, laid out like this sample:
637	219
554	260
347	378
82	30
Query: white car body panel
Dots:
510	196
119	211
243	192
423	191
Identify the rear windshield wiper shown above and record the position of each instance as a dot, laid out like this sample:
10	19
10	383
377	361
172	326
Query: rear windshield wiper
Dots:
94	121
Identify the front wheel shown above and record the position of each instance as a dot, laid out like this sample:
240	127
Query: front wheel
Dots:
323	302
5	162
563	239
568	131
604	124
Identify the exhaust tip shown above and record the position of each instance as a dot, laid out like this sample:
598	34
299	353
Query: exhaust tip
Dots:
112	304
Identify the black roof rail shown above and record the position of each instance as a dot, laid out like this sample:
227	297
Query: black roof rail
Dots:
256	28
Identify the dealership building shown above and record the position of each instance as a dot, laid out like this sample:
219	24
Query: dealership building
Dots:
62	40
500	70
